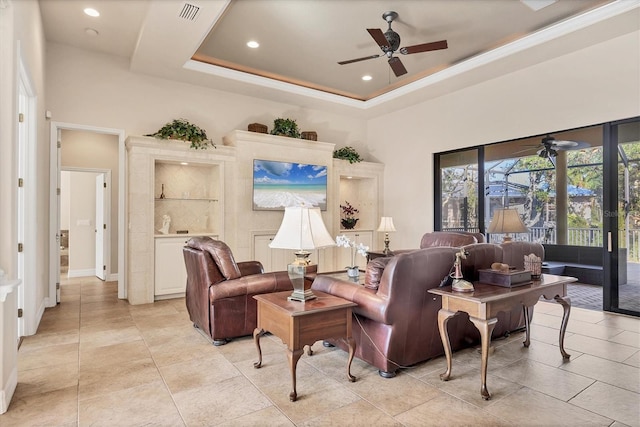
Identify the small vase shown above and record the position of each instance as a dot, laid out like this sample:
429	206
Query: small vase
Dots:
353	271
348	223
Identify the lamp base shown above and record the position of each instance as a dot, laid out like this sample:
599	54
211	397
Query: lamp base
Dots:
297	270
386	250
461	285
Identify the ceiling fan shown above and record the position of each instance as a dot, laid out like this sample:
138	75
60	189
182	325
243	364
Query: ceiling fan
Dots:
389	42
549	146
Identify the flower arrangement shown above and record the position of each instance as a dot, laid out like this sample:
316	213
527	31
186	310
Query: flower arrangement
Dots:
348	220
343	241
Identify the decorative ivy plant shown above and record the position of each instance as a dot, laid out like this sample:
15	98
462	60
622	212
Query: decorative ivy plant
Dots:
347	153
285	127
181	129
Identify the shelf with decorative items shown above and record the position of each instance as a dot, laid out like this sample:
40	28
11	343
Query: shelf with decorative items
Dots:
186	197
359	191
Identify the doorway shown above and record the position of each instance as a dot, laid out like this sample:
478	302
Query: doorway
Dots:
85	244
82	147
622	217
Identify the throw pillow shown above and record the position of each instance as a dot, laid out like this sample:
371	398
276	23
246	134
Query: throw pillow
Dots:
373	272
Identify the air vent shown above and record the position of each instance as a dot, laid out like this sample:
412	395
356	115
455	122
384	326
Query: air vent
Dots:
189	12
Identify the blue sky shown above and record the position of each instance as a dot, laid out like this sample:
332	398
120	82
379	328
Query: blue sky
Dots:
288	173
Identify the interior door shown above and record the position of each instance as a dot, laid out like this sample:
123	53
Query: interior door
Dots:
100	227
622	217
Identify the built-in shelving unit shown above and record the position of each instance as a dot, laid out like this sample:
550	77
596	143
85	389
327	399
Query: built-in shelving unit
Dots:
209	192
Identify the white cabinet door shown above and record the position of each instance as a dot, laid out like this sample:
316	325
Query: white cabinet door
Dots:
343	255
170	271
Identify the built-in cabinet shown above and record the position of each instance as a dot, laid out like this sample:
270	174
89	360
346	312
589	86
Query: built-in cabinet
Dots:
360	184
209	192
170	271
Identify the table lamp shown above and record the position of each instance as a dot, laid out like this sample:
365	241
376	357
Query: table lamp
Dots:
386	226
506	221
301	230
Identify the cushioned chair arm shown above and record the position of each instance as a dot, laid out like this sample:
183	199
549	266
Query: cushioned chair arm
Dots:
369	303
251	285
250	267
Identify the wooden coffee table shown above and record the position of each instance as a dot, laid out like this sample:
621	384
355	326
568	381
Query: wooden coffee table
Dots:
303	323
484	304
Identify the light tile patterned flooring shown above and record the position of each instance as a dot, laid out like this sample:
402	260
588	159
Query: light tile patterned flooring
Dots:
99	361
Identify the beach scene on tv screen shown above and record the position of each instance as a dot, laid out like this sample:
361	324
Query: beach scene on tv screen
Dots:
277	185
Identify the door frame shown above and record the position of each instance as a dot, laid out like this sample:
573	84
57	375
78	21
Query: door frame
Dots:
26	203
54	179
611	244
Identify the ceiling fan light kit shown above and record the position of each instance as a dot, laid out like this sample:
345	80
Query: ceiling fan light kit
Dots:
389	43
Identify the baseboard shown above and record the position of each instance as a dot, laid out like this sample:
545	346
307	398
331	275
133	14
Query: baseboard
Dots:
81	273
113	277
7	391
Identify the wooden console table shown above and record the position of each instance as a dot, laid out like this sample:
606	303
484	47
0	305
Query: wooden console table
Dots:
303	323
486	301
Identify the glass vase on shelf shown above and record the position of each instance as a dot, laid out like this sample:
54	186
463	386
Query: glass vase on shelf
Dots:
356	248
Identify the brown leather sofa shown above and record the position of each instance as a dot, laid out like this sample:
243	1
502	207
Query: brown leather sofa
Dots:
454	239
220	291
395	323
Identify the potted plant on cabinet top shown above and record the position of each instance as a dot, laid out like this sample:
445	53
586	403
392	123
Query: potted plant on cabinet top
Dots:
181	129
285	127
348	220
347	153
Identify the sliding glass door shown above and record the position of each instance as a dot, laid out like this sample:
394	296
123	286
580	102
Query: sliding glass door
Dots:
622	217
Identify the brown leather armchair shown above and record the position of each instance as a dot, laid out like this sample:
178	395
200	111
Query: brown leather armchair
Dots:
220	291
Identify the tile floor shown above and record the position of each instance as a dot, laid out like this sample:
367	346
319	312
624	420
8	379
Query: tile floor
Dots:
99	361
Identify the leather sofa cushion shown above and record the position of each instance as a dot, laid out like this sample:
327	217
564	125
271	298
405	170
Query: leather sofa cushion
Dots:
221	254
446	238
374	271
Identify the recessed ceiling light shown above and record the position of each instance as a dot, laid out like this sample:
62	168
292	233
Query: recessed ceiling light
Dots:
184	163
366	78
91	32
91	12
253	44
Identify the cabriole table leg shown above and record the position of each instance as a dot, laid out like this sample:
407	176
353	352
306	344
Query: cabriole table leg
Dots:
443	319
565	302
294	356
486	328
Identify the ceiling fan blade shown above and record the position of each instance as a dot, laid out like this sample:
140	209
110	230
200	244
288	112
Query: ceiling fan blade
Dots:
425	47
397	67
564	144
364	58
379	37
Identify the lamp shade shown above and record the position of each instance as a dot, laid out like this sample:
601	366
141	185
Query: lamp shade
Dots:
506	221
386	224
302	228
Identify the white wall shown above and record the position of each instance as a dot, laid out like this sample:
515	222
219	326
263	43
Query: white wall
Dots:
590	86
99	90
21	27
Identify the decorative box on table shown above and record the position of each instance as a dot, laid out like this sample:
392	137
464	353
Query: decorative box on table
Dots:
506	279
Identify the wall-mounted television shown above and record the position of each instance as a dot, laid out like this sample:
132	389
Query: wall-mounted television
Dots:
277	185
